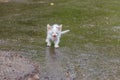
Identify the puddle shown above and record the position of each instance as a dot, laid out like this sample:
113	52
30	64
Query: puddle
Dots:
54	69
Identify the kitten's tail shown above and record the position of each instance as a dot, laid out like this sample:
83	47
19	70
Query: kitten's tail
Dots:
63	32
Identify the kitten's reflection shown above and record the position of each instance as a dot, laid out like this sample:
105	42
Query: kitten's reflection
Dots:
52	53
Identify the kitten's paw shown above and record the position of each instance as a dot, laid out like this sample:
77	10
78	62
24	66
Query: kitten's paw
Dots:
56	46
46	40
48	44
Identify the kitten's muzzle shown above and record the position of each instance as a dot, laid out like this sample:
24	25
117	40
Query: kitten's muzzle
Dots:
54	35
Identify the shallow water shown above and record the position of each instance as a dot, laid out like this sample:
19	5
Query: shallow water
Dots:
84	65
55	68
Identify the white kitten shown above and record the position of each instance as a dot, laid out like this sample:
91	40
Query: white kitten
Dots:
54	34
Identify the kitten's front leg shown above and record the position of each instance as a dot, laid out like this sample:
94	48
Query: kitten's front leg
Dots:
57	43
48	42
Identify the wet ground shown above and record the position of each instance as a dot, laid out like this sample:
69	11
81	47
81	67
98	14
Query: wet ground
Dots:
55	68
14	66
90	51
85	66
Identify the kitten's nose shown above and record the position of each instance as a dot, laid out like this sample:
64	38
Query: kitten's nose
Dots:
54	35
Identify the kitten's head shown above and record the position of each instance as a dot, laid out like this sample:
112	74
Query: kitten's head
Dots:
55	30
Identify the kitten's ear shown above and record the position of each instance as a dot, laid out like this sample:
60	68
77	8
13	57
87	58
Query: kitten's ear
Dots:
60	27
48	27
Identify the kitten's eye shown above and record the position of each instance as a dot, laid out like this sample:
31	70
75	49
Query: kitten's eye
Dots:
51	33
